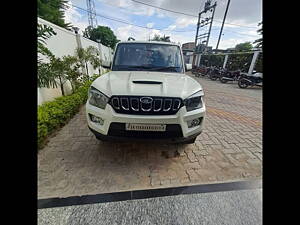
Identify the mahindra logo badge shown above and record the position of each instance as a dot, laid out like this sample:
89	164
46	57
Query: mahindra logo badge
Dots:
146	100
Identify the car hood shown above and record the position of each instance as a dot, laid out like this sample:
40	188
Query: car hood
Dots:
144	83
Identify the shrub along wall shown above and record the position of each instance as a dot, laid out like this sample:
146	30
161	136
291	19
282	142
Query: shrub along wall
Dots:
259	63
240	61
212	60
53	115
235	61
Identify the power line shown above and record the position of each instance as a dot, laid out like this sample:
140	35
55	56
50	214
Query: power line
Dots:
163	8
241	33
125	22
187	13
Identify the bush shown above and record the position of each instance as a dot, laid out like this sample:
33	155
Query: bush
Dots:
212	60
240	61
259	63
53	115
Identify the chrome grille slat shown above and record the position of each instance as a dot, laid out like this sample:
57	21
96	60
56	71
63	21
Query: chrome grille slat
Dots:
131	104
154	106
167	109
161	102
115	100
176	101
122	105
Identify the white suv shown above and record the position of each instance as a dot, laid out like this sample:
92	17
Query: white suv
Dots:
146	96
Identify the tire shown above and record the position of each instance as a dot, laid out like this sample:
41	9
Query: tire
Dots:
212	77
243	83
190	141
223	80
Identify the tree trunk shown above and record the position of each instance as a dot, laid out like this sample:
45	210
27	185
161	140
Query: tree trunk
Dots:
61	87
73	87
87	70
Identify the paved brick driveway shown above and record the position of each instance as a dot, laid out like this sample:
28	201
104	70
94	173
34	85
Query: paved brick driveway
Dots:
229	149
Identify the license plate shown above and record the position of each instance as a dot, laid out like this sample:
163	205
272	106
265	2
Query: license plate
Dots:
145	127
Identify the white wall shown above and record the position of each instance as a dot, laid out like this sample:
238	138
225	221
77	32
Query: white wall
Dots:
62	44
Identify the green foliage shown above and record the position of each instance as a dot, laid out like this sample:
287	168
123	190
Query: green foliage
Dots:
53	11
102	33
212	60
259	42
157	37
53	115
240	61
243	47
90	54
45	76
259	63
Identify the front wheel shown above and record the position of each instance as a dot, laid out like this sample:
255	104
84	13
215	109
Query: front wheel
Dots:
243	83
223	80
213	77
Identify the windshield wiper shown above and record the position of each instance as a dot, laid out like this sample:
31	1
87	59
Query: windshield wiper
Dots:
174	68
139	67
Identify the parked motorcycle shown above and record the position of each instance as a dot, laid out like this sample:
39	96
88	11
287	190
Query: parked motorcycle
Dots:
216	73
231	76
194	70
203	71
254	79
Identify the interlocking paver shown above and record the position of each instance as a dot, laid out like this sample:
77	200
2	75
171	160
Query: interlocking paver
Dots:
74	162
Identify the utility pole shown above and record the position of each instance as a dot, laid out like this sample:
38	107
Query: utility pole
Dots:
201	40
223	23
91	13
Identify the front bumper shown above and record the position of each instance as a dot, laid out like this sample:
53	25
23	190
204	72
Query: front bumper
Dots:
110	117
138	139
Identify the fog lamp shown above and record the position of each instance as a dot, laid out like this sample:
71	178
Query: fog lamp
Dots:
194	122
96	119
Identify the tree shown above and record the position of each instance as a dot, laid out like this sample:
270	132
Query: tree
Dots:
259	42
53	11
157	37
243	47
103	34
91	55
45	77
72	66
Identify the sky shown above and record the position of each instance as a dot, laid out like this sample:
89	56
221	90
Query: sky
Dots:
241	23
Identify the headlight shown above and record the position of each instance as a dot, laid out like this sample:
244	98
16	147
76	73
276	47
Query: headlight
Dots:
96	98
194	101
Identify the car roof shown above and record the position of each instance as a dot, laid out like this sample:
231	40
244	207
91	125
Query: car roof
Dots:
149	42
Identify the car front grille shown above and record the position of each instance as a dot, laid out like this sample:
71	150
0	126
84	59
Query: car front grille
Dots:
145	105
118	130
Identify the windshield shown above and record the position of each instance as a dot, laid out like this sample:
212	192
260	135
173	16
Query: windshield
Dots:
148	57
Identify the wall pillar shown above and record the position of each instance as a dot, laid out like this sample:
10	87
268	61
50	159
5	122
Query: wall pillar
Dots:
254	58
225	61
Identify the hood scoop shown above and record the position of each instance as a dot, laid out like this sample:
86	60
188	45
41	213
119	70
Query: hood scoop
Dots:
146	82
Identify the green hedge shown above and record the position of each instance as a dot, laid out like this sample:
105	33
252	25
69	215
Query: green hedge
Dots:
259	63
212	60
240	61
53	115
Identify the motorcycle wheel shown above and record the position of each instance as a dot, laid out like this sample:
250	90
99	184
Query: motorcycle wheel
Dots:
212	77
243	83
223	80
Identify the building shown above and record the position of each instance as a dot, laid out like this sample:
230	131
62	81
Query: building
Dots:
202	48
188	46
